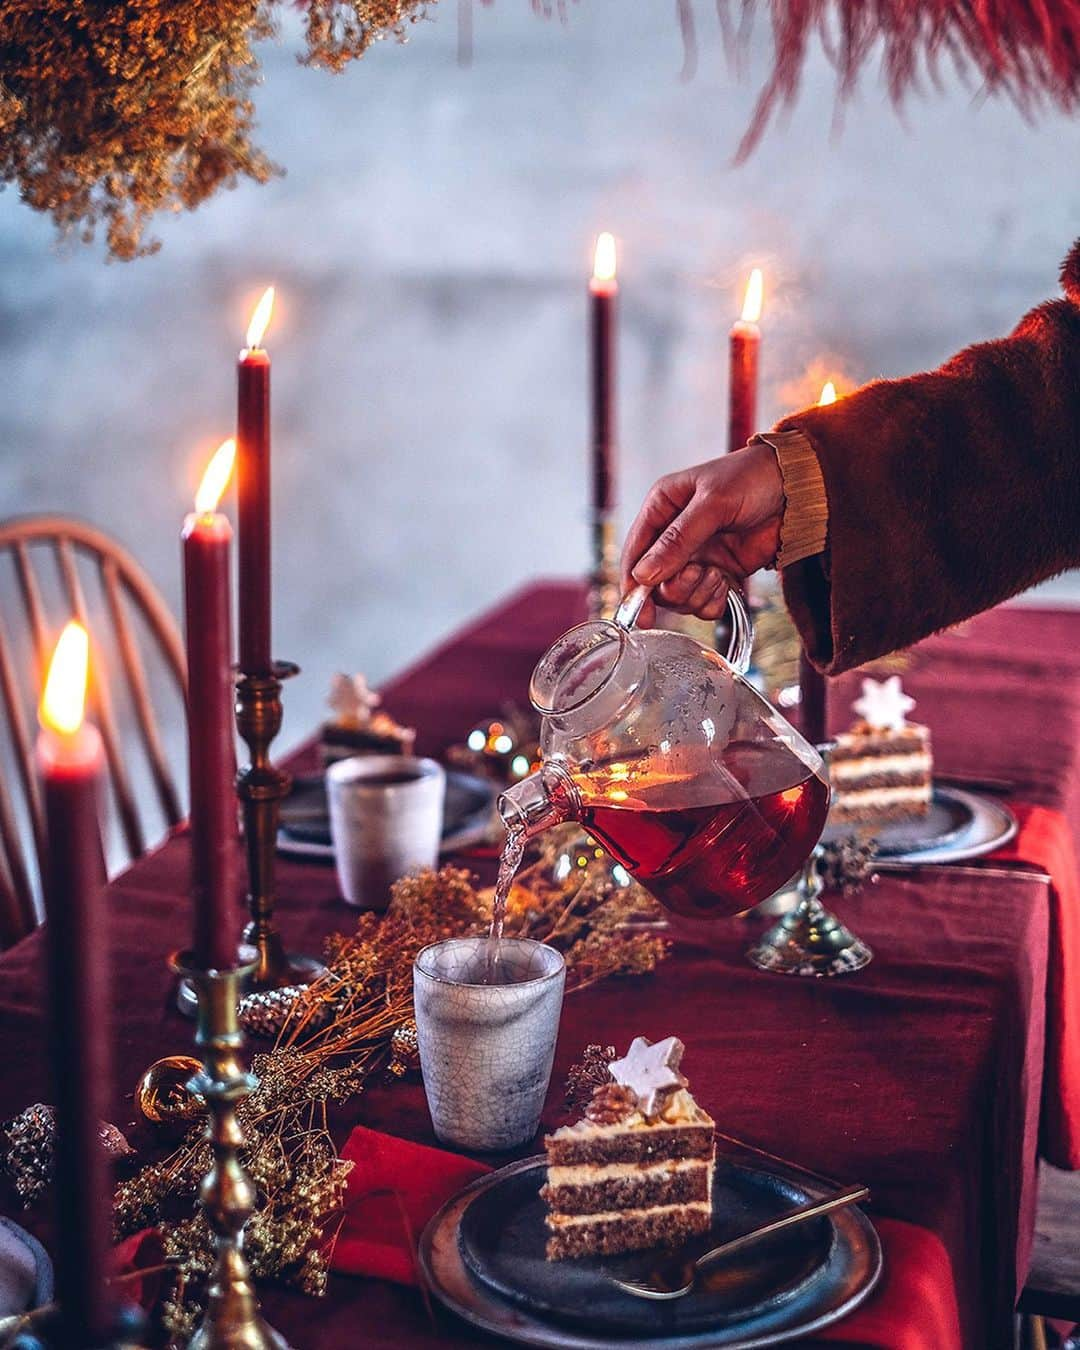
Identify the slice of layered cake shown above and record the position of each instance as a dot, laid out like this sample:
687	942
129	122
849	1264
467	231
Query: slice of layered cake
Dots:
637	1171
882	769
359	725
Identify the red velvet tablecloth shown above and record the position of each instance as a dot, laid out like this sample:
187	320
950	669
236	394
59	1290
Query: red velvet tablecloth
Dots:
1002	696
921	1076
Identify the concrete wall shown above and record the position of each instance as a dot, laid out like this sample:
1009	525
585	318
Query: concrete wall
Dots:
430	243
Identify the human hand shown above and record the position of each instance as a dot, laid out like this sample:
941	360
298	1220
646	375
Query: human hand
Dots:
704	527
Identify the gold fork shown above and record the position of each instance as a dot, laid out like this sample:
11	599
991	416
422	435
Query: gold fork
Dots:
677	1281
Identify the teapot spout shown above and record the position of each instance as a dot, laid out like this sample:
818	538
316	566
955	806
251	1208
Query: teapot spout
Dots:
544	798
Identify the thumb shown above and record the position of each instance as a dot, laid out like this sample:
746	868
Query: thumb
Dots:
677	543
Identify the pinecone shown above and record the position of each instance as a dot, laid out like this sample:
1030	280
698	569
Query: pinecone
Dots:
265	1012
592	1071
30	1157
31	1139
847	865
404	1050
610	1103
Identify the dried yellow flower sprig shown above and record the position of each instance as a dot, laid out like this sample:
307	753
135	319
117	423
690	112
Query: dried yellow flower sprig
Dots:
339	1031
111	113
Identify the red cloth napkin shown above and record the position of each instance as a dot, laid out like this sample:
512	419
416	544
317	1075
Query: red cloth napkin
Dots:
1045	839
914	1306
395	1187
137	1266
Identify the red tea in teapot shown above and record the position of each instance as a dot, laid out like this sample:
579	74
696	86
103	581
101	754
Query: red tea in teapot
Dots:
712	858
667	754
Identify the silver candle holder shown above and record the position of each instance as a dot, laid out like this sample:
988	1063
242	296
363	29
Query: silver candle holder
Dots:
809	940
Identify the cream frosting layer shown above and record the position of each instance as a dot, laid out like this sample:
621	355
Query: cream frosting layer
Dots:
680	1109
914	732
617	1215
885	796
587	1174
920	762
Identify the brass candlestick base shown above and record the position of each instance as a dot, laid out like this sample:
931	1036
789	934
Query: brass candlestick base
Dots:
604	594
260	787
232	1320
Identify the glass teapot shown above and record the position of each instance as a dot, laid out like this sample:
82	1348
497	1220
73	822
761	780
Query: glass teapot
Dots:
672	761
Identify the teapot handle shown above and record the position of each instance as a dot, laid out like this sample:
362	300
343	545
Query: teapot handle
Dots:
742	627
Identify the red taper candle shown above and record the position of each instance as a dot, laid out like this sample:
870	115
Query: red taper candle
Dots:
603	292
207	539
813	702
743	366
813	689
253	484
70	761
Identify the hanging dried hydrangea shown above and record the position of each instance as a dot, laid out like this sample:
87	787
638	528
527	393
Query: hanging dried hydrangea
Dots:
110	114
340	31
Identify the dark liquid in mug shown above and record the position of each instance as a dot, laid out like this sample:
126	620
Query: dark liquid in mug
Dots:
390	778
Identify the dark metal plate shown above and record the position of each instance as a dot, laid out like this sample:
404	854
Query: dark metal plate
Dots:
790	1291
305	816
502	1242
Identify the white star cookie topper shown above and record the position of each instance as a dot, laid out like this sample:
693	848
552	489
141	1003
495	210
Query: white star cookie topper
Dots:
883	706
650	1070
352	700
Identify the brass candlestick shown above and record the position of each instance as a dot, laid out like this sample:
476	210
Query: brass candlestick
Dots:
232	1320
261	786
604	579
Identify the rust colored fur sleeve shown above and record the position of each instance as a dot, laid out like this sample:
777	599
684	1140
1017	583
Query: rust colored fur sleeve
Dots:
948	492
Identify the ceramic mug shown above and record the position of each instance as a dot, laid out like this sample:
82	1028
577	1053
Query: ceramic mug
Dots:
486	1048
386	820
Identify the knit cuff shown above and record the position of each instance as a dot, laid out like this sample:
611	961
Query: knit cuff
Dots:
804	529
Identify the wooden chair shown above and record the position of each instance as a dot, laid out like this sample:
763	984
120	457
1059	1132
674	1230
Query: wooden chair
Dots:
51	565
1053	1284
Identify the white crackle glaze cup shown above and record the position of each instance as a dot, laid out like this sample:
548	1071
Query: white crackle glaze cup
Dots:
386	820
486	1049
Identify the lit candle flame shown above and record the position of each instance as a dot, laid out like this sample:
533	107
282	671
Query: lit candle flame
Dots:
64	699
604	257
216	477
828	394
260	319
755	290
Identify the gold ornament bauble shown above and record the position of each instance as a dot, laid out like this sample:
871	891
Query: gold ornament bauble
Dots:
163	1098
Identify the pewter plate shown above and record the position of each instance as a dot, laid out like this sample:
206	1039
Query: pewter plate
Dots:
570	1305
961	825
992	825
305	818
948	819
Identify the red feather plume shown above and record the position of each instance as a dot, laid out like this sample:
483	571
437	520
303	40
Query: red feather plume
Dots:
1028	50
